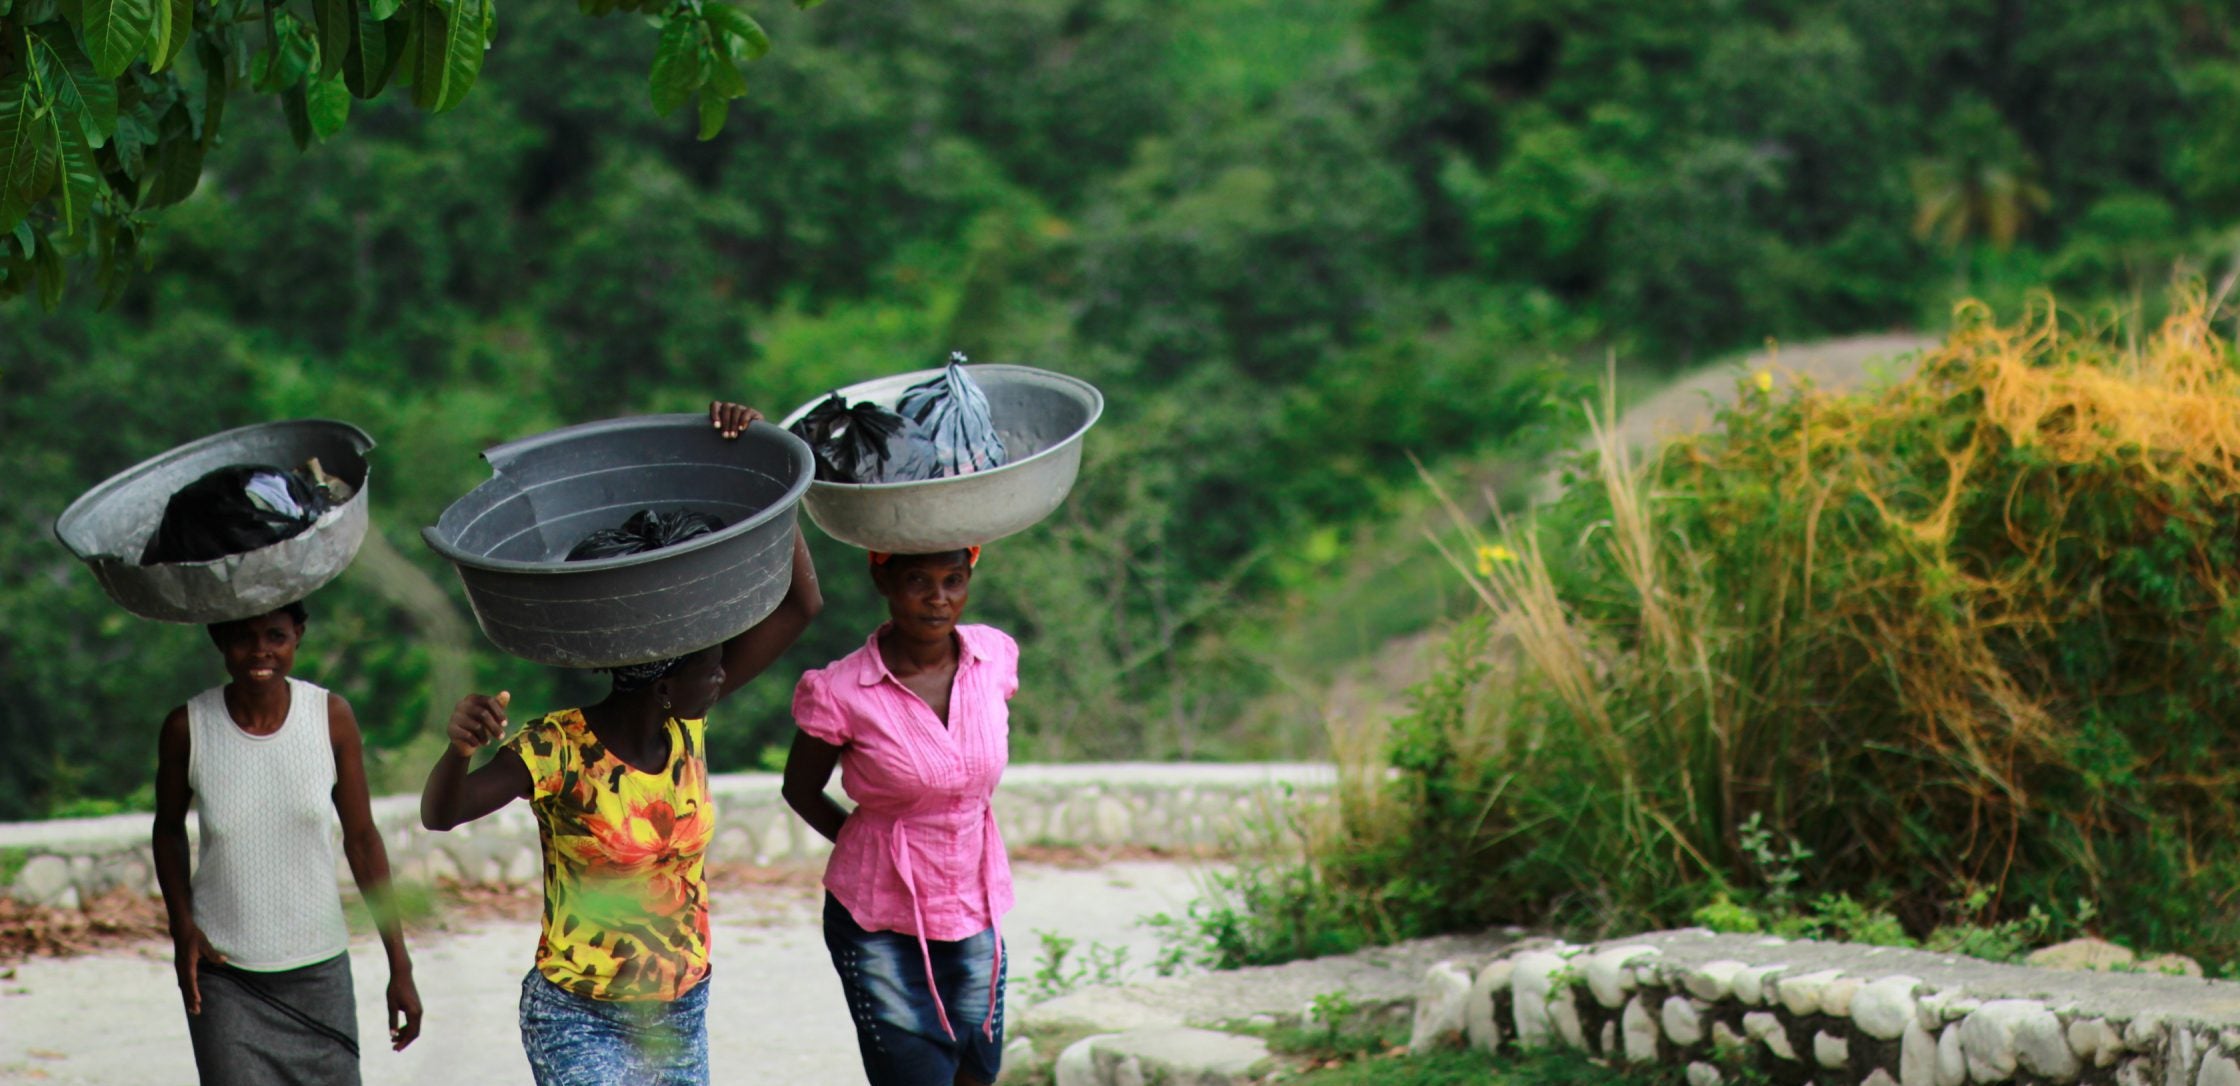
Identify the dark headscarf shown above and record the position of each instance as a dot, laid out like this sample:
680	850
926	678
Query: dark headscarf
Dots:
645	530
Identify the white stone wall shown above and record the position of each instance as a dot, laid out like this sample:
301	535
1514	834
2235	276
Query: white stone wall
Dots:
1828	1014
1148	805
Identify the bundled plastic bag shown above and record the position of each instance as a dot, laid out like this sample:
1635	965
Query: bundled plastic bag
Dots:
952	412
645	530
865	443
240	508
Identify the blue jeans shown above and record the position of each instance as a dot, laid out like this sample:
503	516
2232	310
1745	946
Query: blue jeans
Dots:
574	1041
898	1032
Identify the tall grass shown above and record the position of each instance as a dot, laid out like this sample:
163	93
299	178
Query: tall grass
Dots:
1966	646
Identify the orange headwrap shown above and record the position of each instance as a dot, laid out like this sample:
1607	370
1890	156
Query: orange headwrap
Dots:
972	559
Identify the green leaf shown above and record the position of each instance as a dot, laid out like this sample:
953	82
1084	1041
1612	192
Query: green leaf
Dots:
116	263
375	48
337	20
89	101
713	109
135	135
215	84
295	106
178	162
292	48
449	53
52	275
22	137
677	67
805	5
80	176
723	74
382	10
159	35
115	32
178	29
740	25
22	235
328	102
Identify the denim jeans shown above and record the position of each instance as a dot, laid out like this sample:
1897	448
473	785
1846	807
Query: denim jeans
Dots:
574	1041
898	1032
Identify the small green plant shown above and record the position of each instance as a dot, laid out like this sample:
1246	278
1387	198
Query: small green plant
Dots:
1840	917
1781	870
1976	936
1332	1011
1057	972
1723	914
1338	1028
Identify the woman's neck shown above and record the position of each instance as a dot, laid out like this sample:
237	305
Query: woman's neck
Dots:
258	707
906	655
636	713
633	726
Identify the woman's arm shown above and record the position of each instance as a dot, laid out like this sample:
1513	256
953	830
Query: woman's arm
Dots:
453	795
369	866
188	947
746	655
808	769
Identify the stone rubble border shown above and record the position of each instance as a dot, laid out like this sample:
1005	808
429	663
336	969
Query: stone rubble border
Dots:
1723	1009
1825	1014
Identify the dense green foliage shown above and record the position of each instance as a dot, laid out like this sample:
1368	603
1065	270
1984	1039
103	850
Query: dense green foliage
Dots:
1293	244
106	117
1951	661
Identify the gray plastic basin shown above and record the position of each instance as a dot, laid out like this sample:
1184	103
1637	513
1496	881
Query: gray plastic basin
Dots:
109	526
510	536
1042	417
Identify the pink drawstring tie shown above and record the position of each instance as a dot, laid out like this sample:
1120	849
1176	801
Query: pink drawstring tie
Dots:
988	846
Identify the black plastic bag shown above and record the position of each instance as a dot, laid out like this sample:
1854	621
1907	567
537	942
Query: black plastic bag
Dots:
645	530
953	414
865	443
234	510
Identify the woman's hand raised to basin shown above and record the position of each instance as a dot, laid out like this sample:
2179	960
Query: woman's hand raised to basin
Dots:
732	419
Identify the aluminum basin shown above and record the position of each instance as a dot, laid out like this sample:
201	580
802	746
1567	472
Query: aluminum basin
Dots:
110	525
510	537
1041	416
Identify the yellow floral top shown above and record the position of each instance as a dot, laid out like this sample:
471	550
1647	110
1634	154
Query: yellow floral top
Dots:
625	888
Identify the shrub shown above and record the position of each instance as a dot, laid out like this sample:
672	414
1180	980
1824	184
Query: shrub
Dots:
1961	650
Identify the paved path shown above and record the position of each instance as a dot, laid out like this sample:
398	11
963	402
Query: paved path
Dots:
775	1014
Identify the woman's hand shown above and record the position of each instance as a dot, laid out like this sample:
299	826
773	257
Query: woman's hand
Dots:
404	1010
731	419
188	951
476	722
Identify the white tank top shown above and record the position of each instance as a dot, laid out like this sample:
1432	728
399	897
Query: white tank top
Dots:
264	880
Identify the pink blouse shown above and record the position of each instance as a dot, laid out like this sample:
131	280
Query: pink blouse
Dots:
921	853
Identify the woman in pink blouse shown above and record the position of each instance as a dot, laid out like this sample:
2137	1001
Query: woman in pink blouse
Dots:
918	882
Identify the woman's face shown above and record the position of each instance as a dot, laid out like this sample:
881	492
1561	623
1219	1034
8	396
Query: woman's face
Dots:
694	687
259	650
925	598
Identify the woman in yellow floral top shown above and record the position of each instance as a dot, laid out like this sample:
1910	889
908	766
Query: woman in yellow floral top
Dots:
620	791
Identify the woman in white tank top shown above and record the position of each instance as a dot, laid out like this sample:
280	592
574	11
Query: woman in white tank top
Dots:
271	764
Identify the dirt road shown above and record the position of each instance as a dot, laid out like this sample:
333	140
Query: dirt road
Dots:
775	1014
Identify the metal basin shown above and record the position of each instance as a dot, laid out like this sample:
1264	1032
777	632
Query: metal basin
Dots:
510	536
1041	416
109	525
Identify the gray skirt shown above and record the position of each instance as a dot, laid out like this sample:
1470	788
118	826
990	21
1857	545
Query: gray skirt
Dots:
296	1027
